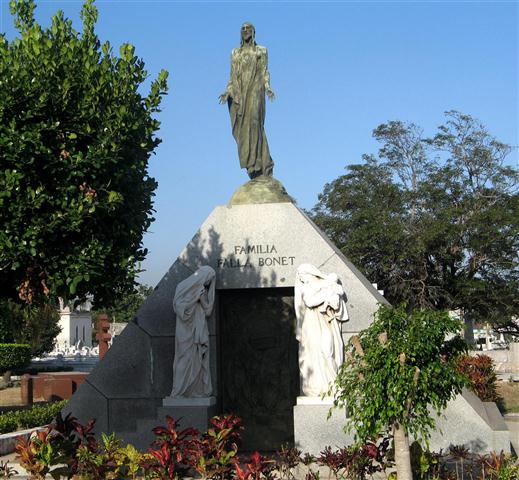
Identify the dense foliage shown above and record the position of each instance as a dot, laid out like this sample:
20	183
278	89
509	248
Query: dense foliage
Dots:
482	376
125	305
36	325
76	135
14	356
397	372
397	368
36	416
433	221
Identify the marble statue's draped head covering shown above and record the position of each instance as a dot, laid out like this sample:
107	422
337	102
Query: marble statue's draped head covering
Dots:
304	274
306	269
247	24
188	291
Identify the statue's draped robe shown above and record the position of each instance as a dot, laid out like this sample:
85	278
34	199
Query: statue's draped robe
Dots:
193	302
246	89
320	304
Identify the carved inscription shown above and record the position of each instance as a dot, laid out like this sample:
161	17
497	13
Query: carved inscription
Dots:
249	256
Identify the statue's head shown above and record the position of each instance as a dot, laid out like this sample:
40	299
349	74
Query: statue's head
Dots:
247	34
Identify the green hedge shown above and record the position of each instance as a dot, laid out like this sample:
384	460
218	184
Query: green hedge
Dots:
13	355
41	369
37	416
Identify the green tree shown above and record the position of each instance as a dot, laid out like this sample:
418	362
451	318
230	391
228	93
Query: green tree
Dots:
35	325
76	135
126	305
434	221
396	370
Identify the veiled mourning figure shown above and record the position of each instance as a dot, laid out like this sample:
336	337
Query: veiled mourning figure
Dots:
320	304
193	302
245	95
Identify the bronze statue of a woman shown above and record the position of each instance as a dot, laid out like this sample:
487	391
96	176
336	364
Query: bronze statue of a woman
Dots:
245	95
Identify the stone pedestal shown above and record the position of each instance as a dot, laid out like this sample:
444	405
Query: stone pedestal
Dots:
190	412
313	430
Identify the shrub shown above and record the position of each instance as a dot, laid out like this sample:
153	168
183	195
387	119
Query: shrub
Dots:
256	468
35	417
13	355
42	369
219	446
499	467
67	449
482	376
175	451
36	454
6	471
357	462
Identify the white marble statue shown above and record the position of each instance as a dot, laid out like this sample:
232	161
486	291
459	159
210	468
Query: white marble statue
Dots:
193	302
320	304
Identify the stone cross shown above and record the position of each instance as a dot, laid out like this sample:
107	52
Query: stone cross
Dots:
102	335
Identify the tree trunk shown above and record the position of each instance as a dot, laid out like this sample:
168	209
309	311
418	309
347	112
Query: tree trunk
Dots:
402	454
6	377
468	332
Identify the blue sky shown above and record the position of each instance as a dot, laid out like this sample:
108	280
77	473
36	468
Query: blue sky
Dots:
338	69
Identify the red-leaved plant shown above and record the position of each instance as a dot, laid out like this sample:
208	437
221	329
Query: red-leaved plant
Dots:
174	453
356	463
71	448
37	454
219	447
6	471
481	373
256	468
69	435
287	459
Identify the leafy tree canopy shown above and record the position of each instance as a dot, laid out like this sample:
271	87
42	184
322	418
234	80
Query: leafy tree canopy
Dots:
35	325
76	135
126	305
433	221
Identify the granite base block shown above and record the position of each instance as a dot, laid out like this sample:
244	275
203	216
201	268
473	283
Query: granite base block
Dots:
89	403
188	401
194	415
313	430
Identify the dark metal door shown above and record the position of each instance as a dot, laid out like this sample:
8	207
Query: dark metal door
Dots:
258	363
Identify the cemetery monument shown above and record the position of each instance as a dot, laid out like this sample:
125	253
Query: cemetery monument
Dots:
252	338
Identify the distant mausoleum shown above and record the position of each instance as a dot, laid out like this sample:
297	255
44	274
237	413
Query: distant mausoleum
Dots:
76	326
